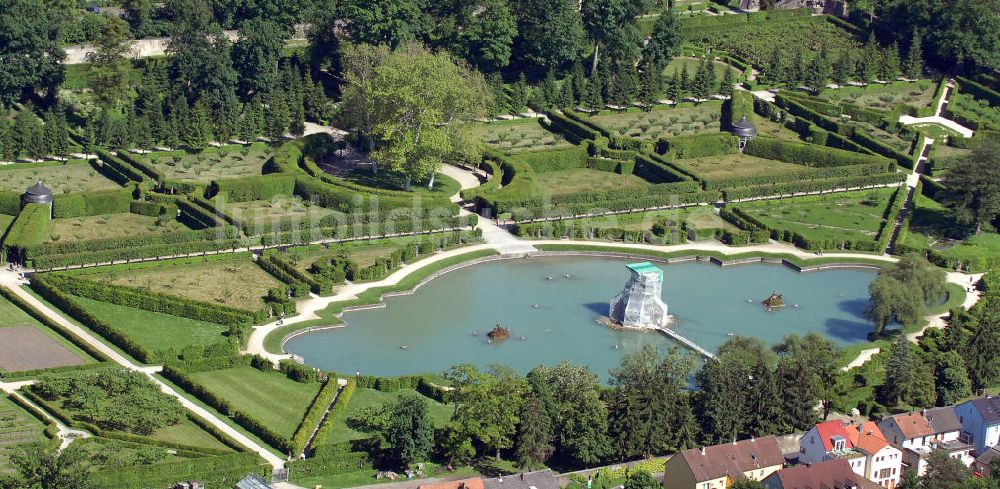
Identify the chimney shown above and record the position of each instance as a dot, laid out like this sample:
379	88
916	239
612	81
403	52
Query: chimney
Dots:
923	412
703	450
753	439
522	475
734	440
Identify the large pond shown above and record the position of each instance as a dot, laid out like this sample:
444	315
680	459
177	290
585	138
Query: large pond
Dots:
555	303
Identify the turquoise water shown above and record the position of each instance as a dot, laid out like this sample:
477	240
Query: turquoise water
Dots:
437	322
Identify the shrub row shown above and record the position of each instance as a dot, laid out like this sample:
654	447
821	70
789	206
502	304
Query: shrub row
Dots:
140	165
750	231
601	147
978	91
808	154
622	167
153	209
220	471
793	106
10	202
295	275
698	145
91	203
804	175
54	291
126	243
633	203
889	217
60	260
343	199
315	413
338	408
584	229
197	216
902	159
154	301
701	22
806	242
791	188
373	229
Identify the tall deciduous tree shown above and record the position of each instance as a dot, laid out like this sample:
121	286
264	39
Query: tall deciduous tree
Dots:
109	65
30	55
382	22
255	55
607	19
44	467
410	433
199	54
980	354
579	417
665	41
951	379
488	404
420	101
550	32
737	391
959	34
485	34
975	185
534	434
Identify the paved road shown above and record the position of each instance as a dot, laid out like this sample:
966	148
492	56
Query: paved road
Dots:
9	280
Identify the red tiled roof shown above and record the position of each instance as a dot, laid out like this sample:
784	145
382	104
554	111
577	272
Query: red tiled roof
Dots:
829	429
868	438
913	424
733	459
832	474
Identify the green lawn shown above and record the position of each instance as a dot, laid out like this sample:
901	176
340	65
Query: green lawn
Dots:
188	433
695	217
5	222
109	226
663	121
270	397
976	249
777	130
365	398
518	135
75	176
156	331
738	165
847	215
884	96
576	180
17	427
278	208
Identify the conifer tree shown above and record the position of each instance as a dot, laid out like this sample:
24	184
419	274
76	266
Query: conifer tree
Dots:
626	83
913	67
297	123
711	79
797	68
700	87
676	89
889	68
579	81
818	72
519	94
551	87
867	66
566	98
252	122
594	100
276	116
649	88
685	81
774	72
843	68
172	131
726	88
143	135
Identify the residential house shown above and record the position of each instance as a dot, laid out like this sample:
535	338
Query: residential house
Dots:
827	441
831	474
983	464
539	479
883	462
918	433
980	419
718	466
862	446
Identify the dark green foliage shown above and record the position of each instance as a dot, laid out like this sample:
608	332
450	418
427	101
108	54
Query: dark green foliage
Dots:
641	479
29	48
113	399
698	145
42	466
218	471
315	414
727	411
245	189
31	227
92	203
808	154
555	159
534	434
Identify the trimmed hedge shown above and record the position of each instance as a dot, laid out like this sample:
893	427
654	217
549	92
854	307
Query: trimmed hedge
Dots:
615	140
121	166
902	159
554	159
699	145
740	104
245	189
54	261
317	410
153	209
573	130
220	471
10	202
91	203
653	170
804	175
978	91
791	188
338	408
30	228
809	154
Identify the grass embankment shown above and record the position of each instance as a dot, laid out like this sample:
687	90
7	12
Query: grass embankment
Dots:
371	296
156	331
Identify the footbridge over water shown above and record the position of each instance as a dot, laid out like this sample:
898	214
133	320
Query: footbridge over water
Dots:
686	342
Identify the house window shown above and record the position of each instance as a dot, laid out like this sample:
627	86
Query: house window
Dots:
706	486
884	473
